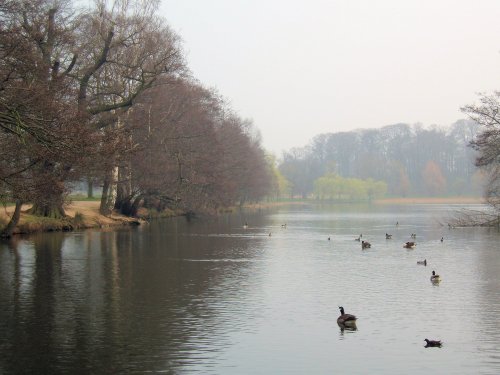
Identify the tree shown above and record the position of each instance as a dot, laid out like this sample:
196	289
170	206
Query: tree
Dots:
433	179
40	131
487	142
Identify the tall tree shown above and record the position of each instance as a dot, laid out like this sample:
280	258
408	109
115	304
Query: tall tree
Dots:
487	142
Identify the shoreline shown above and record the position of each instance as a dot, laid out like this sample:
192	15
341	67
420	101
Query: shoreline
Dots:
79	215
85	214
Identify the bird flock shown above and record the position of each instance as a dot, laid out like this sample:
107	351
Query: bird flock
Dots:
348	321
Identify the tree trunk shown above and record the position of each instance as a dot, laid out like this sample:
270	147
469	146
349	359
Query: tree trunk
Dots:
50	209
14	220
124	196
90	187
109	192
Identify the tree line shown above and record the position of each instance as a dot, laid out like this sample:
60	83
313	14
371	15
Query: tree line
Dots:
103	93
409	159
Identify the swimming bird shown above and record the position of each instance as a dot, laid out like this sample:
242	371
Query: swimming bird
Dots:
432	343
442	239
269	234
358	239
365	245
388	236
409	245
328	238
283	225
422	262
245	226
435	278
345	319
413	235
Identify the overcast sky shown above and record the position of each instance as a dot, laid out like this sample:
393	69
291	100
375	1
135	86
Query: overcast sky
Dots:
301	68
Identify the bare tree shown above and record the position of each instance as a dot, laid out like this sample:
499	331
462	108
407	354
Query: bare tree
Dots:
487	142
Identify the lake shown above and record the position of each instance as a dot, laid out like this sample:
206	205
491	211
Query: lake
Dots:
213	297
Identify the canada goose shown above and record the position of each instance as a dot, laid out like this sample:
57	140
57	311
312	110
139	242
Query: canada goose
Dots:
409	245
358	239
422	262
432	343
435	278
442	239
283	225
245	226
365	245
388	236
413	235
346	319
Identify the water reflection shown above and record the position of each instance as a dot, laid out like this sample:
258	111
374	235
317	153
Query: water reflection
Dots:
214	297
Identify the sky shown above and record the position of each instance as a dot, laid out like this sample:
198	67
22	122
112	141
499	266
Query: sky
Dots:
301	68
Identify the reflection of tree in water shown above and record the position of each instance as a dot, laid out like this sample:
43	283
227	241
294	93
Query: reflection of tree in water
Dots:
32	320
119	301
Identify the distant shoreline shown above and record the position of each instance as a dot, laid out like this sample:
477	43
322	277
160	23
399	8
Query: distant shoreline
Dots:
431	200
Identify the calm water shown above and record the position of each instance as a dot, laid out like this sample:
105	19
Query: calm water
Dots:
211	297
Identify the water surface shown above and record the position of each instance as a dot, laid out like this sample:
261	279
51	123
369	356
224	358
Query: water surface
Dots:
213	297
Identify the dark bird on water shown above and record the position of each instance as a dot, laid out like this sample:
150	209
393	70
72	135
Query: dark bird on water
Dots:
435	278
365	245
409	245
388	236
346	319
432	343
422	262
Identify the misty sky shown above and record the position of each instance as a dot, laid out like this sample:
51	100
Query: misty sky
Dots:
301	68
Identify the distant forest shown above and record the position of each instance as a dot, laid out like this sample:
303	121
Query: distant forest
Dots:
410	160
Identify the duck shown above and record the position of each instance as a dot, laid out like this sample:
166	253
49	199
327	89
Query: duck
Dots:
388	236
432	343
422	262
409	245
346	319
435	278
365	245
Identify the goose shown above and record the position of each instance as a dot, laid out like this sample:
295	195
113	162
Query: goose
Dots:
269	234
409	245
388	236
413	235
432	343
442	239
422	262
345	319
283	225
358	239
328	238
435	278
365	245
245	226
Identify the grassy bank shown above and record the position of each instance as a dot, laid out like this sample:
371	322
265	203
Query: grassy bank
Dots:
80	215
